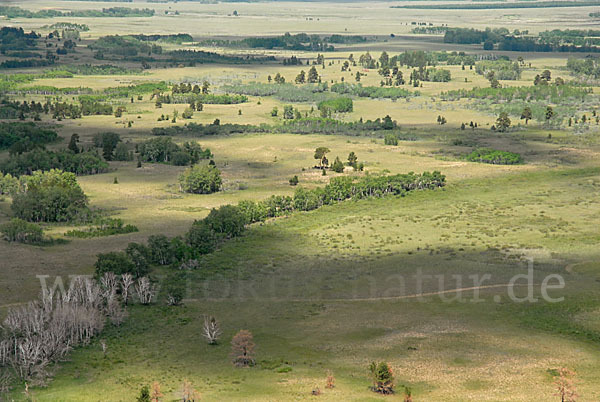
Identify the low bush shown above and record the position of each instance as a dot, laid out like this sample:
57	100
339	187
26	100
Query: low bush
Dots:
105	227
494	156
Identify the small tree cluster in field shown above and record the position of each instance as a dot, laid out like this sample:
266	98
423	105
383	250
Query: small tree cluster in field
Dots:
108	142
200	180
335	105
52	196
164	150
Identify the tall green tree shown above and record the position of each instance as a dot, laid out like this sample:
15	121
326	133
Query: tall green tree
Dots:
526	114
503	122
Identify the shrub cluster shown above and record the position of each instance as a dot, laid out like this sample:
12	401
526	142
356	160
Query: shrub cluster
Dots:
103	227
52	196
494	156
163	149
18	230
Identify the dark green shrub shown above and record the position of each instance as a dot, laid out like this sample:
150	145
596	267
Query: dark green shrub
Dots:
118	263
495	157
161	252
201	238
227	221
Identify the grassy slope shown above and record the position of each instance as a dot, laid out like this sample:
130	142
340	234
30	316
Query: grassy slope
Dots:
479	350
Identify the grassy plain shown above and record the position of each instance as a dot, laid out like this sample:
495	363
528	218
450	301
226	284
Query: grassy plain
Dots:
323	290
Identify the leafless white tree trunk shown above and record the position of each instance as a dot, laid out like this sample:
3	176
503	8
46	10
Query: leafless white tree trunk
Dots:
211	330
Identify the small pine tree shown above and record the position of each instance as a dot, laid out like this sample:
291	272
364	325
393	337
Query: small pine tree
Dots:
383	378
144	394
294	181
73	143
115	181
337	166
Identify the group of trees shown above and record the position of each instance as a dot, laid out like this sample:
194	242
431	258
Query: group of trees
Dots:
588	67
17	12
429	74
80	163
338	166
294	123
335	105
122	46
51	196
549	41
371	91
229	221
501	69
22	137
164	150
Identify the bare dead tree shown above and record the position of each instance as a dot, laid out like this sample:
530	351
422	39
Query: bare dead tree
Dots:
115	312
145	290
126	283
211	330
110	284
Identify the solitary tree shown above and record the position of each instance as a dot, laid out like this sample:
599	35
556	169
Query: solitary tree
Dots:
503	122
337	166
313	75
526	114
301	78
546	75
211	330
352	159
320	153
383	378
549	113
73	143
565	388
242	349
